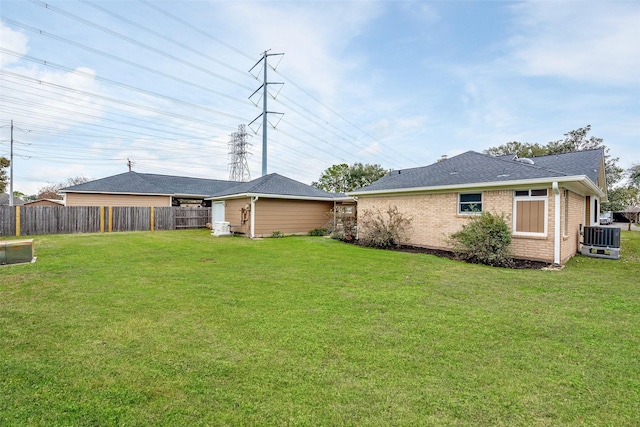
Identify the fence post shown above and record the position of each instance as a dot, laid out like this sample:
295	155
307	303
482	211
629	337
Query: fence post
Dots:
17	221
110	226
102	219
152	219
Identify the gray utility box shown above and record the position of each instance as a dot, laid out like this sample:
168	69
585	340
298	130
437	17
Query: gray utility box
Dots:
16	251
601	242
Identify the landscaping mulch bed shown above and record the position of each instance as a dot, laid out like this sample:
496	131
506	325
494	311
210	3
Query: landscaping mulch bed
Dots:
515	263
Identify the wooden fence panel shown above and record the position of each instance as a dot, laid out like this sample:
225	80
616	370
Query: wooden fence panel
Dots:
164	218
41	220
131	218
7	221
59	220
192	217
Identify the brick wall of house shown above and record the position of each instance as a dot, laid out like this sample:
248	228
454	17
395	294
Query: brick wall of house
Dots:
435	217
571	237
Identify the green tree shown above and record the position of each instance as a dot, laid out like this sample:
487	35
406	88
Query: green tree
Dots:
51	191
522	149
342	177
4	163
634	175
575	140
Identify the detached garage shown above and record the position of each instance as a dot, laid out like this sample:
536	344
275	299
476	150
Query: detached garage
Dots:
276	203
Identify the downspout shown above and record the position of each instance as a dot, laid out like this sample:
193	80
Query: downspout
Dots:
253	216
556	228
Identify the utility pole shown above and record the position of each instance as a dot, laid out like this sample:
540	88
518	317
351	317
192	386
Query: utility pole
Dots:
130	164
11	169
265	84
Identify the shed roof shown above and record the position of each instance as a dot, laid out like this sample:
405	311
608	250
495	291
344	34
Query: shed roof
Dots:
472	168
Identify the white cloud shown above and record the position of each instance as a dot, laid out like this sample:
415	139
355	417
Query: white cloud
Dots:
585	41
11	40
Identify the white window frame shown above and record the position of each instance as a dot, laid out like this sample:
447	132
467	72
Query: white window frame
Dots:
460	212
530	198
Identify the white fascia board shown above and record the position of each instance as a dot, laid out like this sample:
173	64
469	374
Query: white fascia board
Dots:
279	196
582	179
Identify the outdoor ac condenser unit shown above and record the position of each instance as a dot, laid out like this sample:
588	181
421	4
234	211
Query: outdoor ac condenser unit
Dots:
221	228
601	242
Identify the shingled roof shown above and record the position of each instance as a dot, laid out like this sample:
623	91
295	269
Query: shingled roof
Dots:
4	200
276	185
472	169
143	183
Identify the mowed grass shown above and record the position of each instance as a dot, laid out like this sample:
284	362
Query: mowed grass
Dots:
181	328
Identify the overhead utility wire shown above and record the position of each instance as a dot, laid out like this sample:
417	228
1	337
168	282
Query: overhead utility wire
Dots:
69	100
135	42
18	101
122	60
131	104
194	28
342	117
363	146
287	78
162	36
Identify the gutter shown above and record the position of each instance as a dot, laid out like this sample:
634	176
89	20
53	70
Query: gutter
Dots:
484	185
280	196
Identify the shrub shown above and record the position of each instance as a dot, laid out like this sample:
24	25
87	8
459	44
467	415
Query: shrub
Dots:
342	225
380	229
277	234
484	240
318	232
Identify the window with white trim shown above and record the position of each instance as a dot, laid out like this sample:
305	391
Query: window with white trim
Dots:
530	212
469	203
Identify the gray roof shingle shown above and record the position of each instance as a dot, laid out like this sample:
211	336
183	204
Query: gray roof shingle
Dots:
277	185
4	200
476	168
142	183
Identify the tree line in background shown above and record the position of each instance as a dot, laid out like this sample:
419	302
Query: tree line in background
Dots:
342	178
621	194
49	191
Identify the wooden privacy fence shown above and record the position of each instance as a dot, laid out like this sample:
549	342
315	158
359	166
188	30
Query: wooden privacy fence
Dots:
37	220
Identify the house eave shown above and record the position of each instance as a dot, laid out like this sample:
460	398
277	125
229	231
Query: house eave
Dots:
281	196
579	179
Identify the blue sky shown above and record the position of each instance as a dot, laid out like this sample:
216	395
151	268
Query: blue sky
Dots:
400	84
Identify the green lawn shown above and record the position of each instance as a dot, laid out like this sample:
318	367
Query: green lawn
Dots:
180	328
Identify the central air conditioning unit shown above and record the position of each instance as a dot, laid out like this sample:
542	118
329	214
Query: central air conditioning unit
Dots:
601	242
221	228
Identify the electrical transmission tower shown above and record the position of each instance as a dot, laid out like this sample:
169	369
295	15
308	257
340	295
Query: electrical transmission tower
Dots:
238	167
265	112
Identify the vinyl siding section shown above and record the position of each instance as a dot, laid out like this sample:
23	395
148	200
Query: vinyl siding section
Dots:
233	214
94	199
290	216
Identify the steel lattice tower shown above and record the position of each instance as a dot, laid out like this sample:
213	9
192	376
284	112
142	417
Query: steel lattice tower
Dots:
238	152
